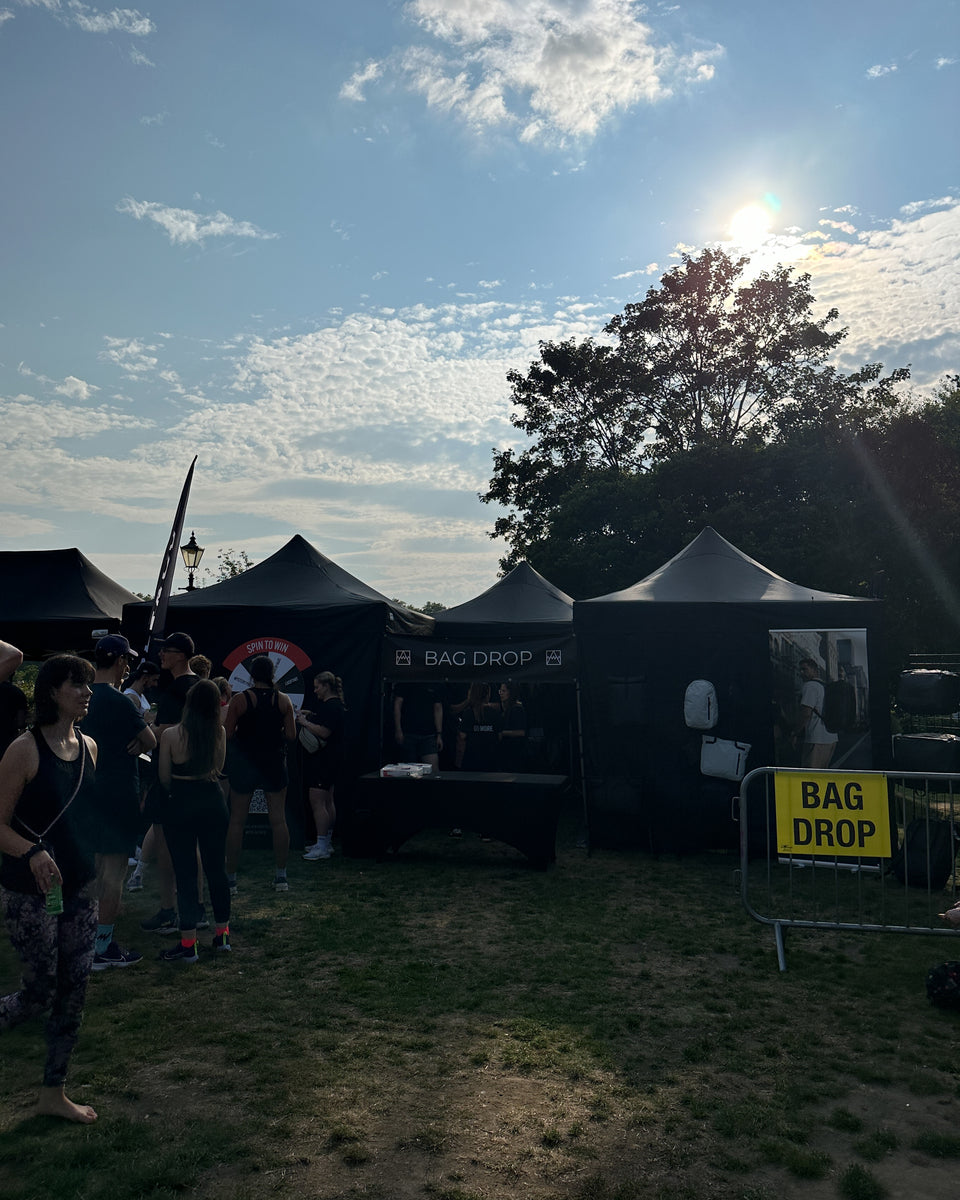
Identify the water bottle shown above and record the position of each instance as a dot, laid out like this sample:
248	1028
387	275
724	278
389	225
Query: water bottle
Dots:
54	905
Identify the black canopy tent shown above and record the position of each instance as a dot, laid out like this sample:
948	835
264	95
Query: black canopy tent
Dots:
520	629
309	615
711	613
55	601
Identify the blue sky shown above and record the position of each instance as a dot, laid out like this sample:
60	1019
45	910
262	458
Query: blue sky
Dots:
306	242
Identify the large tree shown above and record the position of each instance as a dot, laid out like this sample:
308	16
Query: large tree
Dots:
712	358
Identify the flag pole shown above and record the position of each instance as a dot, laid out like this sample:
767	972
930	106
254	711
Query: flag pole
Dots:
161	597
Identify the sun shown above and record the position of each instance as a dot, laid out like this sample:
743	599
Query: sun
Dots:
749	225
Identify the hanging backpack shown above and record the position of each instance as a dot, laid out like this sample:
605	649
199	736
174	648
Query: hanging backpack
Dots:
700	708
839	706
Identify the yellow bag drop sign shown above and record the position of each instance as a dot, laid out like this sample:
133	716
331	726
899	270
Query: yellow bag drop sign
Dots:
823	812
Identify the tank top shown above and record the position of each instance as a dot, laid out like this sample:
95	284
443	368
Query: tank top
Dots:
259	734
41	803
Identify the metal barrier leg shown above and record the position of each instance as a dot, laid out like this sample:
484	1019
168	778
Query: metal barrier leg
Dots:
781	951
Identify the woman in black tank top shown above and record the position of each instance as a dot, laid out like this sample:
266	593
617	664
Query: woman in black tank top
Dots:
43	776
260	724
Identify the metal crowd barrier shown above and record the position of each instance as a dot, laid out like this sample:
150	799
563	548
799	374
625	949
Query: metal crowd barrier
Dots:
826	850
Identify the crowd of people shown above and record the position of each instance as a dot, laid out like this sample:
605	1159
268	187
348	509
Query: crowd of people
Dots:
125	758
147	762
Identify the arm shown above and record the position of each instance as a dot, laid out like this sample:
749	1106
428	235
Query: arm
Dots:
10	659
221	752
18	766
165	764
289	719
144	741
235	710
438	723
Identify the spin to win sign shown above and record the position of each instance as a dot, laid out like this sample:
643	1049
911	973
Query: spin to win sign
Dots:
825	812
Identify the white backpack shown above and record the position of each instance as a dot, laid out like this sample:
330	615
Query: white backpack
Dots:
700	709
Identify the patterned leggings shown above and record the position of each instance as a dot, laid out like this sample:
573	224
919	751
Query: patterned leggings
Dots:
56	953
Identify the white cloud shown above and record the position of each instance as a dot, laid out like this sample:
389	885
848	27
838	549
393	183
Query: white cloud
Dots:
91	20
843	226
156	119
131	355
138	57
547	69
878	71
118	20
182	226
17	525
5	15
919	206
946	62
353	88
76	389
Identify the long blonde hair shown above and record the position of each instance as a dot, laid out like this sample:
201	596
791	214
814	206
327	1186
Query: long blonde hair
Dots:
334	682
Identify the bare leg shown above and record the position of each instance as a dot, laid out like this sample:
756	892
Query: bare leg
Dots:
111	870
324	810
167	880
276	805
53	1103
239	807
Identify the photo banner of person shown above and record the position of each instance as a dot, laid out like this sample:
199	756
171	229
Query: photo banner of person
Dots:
821	699
514	658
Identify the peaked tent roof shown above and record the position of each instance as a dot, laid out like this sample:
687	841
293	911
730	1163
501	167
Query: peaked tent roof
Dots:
712	571
56	585
54	599
299	578
522	600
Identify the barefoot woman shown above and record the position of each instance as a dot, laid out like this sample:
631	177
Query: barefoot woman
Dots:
44	780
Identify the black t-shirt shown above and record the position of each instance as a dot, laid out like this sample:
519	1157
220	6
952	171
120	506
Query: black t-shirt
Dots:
113	722
416	713
170	704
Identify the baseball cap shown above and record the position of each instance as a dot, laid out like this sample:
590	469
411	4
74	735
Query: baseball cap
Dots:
116	644
179	641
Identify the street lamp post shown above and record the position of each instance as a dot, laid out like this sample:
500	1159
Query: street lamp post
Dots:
192	553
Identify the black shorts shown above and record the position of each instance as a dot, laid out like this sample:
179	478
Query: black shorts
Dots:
246	776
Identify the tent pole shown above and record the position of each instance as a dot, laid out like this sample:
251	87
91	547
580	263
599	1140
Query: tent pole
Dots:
583	773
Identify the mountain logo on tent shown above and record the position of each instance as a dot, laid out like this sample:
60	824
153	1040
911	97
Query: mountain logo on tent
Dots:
554	658
403	658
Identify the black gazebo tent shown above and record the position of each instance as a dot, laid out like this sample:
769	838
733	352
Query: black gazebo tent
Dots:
307	613
55	601
710	613
519	629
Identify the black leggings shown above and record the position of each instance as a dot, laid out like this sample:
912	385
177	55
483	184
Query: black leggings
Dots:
56	953
196	814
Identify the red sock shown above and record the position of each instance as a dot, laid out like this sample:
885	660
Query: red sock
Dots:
222	929
188	943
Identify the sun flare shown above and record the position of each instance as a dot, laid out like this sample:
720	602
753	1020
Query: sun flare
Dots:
749	225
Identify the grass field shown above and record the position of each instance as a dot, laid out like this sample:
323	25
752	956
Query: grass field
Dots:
452	1025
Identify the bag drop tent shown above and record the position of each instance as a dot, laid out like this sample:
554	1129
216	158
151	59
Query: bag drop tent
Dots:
521	629
305	611
706	614
53	601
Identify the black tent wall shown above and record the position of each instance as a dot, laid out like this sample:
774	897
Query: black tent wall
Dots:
636	657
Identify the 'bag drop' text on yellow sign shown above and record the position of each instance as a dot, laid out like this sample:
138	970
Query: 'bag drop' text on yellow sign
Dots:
825	812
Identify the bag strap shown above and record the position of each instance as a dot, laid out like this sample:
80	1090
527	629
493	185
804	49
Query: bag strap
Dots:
73	795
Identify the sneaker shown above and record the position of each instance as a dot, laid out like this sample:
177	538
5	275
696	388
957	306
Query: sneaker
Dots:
135	882
281	885
234	890
115	956
203	921
317	851
222	942
180	954
455	833
165	921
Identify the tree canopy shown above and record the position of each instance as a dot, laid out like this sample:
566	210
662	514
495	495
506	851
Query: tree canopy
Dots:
711	358
713	401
